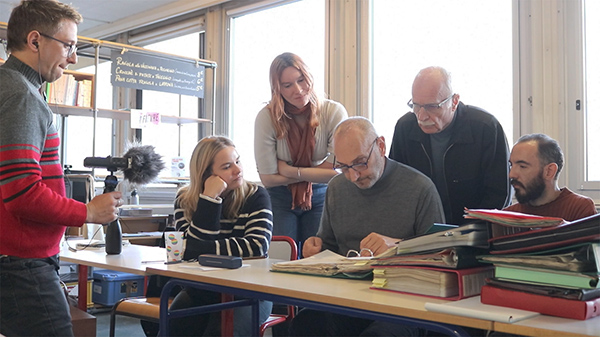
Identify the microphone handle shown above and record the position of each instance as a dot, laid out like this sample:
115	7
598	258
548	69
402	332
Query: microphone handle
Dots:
114	238
110	183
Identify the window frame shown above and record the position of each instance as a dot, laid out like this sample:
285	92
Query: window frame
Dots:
548	69
575	130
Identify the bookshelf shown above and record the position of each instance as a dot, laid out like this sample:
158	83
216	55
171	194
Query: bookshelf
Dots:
93	48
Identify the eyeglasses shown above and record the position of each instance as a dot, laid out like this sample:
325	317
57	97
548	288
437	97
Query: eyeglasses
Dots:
352	253
358	167
71	48
433	107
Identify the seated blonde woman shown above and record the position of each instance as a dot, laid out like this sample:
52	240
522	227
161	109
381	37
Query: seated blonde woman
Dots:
220	213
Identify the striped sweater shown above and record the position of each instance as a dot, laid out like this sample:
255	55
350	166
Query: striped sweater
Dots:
209	233
33	208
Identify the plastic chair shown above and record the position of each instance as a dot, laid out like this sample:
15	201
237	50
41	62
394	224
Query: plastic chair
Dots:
280	246
284	248
144	308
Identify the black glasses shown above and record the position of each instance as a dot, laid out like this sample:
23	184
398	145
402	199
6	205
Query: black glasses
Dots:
71	48
358	167
431	108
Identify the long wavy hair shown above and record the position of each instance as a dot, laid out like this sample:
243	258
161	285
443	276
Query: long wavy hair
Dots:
201	165
276	106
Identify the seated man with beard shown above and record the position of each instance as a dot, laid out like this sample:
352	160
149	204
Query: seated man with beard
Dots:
536	161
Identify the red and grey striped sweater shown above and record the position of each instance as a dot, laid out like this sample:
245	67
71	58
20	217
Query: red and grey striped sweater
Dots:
33	208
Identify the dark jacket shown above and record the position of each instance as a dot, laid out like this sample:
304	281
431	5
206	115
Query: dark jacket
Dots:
475	163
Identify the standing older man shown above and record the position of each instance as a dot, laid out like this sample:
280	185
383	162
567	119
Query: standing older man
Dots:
462	148
374	203
34	211
536	161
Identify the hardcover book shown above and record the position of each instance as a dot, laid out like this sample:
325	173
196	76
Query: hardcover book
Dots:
570	293
584	257
455	257
450	284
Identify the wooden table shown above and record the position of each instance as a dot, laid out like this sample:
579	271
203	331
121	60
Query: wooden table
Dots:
344	296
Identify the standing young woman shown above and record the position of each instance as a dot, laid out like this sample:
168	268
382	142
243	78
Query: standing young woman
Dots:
293	147
220	213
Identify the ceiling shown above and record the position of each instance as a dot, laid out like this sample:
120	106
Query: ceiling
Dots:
105	18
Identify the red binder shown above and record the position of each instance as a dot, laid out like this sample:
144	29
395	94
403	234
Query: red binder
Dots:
466	282
546	305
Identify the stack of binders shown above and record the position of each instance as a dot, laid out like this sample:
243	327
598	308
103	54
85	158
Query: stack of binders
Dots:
553	270
441	264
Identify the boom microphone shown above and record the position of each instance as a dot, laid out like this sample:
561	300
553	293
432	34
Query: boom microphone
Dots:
140	164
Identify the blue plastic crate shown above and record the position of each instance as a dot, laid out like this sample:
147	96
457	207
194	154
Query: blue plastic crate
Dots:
110	286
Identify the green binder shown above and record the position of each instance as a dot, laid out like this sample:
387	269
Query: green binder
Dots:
547	276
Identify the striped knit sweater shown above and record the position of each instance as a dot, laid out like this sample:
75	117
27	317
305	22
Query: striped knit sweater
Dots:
208	233
33	208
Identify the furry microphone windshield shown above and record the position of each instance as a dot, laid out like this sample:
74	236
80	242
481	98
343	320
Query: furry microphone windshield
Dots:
145	164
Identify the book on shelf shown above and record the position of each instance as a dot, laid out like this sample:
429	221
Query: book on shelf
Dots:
450	284
454	257
327	263
66	91
547	276
547	305
582	257
84	93
578	231
70	90
571	293
56	90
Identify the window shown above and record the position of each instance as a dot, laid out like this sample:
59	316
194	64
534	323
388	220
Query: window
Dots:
592	87
172	140
78	140
581	119
472	39
256	38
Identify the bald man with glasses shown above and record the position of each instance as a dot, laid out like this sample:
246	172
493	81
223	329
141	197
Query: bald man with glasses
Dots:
372	204
462	148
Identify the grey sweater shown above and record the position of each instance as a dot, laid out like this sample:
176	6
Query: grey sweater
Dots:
403	203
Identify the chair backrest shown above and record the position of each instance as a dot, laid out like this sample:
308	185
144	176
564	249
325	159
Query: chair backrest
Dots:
283	248
79	187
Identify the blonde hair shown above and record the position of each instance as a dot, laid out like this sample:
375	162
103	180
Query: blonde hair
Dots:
201	165
277	106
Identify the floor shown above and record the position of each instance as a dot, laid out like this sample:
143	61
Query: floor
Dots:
125	326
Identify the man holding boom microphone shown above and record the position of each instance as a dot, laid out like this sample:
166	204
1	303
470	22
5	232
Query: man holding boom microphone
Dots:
34	211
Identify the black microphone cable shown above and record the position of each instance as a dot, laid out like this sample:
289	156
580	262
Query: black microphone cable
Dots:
84	246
